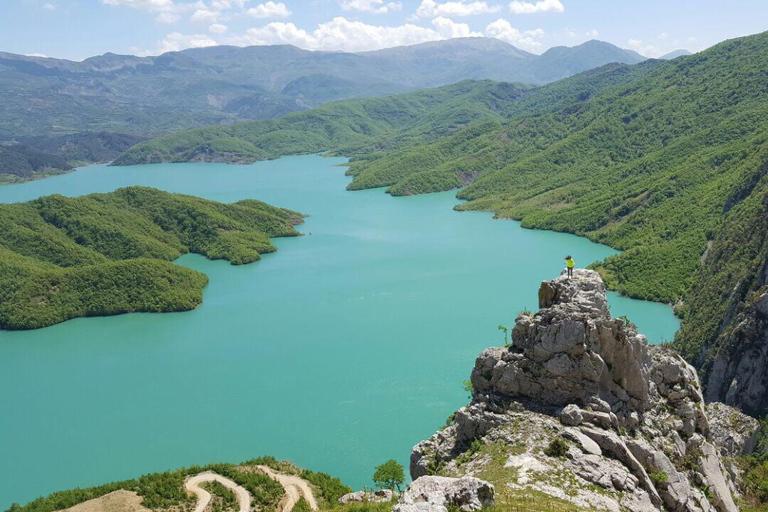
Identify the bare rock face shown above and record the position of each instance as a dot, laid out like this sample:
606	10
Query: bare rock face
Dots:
437	493
582	409
380	496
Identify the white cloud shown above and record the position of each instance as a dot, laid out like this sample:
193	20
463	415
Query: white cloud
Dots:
432	8
646	50
592	34
223	5
519	7
341	34
450	29
176	41
168	17
269	10
49	6
217	28
371	6
527	40
205	16
37	55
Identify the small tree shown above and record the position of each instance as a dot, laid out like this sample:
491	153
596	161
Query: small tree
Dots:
389	475
505	330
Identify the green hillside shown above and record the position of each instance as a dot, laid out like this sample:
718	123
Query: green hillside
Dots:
657	159
106	254
347	126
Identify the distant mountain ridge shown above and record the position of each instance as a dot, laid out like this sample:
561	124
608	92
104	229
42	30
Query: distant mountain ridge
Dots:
204	86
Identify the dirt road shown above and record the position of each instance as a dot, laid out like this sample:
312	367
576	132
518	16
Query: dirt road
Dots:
204	497
295	488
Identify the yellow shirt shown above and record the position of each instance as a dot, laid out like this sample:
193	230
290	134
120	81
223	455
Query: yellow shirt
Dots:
570	263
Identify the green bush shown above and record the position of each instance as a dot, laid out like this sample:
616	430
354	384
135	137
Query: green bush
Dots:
556	448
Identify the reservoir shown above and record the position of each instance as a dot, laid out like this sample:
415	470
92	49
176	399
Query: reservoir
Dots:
340	351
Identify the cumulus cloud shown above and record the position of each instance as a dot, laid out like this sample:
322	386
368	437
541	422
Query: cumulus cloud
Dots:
450	29
520	7
49	6
528	40
205	16
646	50
269	10
432	8
176	41
371	6
592	34
217	28
341	34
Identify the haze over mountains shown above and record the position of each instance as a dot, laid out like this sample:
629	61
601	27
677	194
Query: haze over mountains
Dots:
204	86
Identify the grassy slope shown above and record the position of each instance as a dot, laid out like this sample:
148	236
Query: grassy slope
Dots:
111	253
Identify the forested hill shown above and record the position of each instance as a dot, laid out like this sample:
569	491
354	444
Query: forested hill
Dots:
106	254
660	160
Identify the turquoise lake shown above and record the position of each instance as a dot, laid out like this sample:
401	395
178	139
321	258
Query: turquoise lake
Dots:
342	350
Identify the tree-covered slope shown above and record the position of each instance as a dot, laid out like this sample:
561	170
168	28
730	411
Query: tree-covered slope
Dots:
106	254
27	158
349	126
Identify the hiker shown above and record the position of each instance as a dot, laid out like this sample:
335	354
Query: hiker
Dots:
569	264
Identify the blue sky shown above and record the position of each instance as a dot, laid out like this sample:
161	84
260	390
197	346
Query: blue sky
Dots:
76	29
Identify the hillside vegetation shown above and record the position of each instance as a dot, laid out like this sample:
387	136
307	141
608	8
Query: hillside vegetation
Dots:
165	490
660	160
106	254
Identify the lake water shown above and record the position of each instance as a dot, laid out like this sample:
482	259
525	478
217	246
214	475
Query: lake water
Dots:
338	352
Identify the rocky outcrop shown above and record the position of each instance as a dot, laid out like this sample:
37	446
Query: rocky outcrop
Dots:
582	409
438	493
737	376
380	496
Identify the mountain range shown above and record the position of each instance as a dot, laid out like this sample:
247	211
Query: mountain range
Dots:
205	86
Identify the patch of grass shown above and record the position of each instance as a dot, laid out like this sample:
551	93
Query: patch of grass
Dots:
659	477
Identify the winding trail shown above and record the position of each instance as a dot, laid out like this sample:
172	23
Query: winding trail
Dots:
295	489
204	497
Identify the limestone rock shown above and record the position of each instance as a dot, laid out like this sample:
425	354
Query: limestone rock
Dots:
437	493
632	415
733	432
380	496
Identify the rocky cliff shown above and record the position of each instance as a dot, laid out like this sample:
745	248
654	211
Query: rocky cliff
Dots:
581	409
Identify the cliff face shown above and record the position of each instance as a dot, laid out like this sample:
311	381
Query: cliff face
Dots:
580	408
725	327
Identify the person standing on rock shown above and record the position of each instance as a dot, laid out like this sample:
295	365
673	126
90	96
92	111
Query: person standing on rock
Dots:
569	264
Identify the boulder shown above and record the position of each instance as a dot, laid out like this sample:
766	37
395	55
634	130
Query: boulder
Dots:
438	493
380	496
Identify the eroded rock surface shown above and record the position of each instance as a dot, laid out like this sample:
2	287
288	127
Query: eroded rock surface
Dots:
582	409
438	493
380	496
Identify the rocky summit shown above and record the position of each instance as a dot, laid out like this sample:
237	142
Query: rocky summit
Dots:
581	409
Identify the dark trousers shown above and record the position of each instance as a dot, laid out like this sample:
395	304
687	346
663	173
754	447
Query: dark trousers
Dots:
570	271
